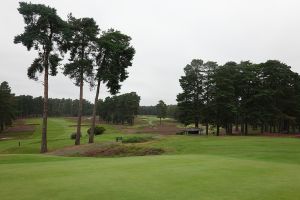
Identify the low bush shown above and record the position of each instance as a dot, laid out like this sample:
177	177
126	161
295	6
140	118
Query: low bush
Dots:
73	136
97	131
136	139
116	150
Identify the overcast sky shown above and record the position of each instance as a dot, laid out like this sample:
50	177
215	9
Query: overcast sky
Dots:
167	35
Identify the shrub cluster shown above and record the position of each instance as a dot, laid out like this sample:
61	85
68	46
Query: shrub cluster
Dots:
137	139
97	131
73	136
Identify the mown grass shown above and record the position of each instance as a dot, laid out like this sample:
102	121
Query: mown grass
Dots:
193	167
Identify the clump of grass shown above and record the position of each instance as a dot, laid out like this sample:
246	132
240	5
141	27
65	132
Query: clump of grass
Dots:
137	139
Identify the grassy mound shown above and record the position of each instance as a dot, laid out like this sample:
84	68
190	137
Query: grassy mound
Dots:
107	150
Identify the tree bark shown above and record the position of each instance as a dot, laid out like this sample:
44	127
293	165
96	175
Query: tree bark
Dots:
206	127
91	138
196	122
242	128
45	109
246	128
218	130
237	127
78	133
262	129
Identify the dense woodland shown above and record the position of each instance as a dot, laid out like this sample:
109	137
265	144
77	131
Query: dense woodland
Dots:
7	106
28	106
236	95
152	110
120	109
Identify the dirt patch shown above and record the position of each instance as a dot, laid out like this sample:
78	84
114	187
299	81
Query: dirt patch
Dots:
75	125
107	150
164	129
21	128
280	135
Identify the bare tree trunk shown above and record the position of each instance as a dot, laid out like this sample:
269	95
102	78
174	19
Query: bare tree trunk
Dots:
91	138
218	130
262	129
196	122
1	126
242	128
236	127
206	128
78	133
45	109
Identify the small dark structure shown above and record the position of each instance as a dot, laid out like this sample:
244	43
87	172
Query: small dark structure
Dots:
198	131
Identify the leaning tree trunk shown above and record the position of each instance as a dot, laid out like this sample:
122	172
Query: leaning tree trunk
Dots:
78	133
91	138
45	109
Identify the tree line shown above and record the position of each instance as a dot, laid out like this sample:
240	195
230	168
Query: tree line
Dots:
29	106
120	109
7	106
94	56
238	95
153	110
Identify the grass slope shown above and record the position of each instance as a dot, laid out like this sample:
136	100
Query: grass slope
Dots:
208	168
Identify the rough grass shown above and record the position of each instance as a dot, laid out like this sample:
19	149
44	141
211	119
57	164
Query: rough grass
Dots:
107	150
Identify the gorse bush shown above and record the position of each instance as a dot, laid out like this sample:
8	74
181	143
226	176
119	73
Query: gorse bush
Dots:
73	136
97	131
137	139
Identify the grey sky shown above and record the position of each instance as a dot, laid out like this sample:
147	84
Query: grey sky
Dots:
167	34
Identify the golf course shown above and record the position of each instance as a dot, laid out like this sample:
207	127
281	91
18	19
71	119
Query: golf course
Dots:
150	100
191	167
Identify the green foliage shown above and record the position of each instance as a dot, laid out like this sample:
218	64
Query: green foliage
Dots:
73	136
265	95
80	42
28	106
172	111
7	106
136	139
161	109
190	100
114	55
99	130
120	109
43	32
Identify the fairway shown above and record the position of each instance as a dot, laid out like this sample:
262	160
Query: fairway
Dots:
193	167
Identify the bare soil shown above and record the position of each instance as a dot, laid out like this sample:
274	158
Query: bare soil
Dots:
164	129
